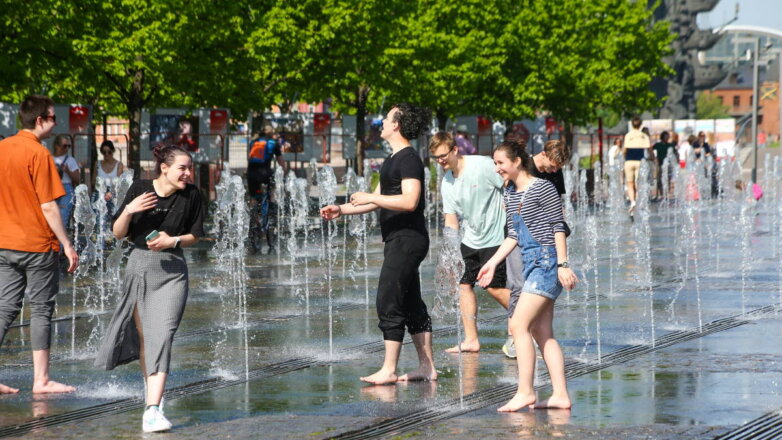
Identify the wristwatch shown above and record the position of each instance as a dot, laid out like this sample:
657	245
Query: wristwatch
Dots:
176	244
564	264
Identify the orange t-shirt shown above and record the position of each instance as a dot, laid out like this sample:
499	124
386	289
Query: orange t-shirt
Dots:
28	178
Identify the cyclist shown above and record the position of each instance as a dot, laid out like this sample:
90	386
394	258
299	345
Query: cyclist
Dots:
259	161
260	182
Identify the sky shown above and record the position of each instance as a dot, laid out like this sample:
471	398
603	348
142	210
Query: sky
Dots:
767	13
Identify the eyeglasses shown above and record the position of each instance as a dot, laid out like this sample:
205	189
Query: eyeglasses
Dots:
52	118
66	145
442	156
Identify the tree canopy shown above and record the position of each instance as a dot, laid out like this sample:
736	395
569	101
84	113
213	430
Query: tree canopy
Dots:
504	59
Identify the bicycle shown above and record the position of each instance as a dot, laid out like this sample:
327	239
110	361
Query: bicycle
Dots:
263	220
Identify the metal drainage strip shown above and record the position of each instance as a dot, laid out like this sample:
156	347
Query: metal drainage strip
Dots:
130	404
497	395
287	366
768	426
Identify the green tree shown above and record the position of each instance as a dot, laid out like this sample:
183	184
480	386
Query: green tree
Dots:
571	58
358	64
709	106
127	55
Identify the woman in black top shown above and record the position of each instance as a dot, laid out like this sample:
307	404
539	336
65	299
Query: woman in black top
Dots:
399	196
169	211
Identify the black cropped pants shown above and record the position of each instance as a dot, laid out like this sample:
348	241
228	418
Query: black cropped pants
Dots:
399	302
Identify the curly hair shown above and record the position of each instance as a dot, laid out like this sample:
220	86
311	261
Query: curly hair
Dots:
413	121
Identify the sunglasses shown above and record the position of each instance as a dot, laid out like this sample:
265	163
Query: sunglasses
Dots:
66	145
52	118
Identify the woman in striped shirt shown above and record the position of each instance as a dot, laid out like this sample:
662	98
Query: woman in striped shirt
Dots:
537	227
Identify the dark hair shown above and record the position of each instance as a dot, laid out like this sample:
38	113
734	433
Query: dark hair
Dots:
664	136
692	139
515	147
441	138
165	154
413	121
58	139
107	143
32	107
636	122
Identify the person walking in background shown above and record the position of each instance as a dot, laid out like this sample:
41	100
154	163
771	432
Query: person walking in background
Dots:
463	142
661	148
159	217
615	151
685	150
472	192
31	234
68	169
636	143
400	199
109	169
701	147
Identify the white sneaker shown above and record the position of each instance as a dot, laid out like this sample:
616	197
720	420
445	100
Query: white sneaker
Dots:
509	348
154	420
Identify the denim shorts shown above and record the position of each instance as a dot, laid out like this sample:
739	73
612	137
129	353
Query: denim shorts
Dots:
540	272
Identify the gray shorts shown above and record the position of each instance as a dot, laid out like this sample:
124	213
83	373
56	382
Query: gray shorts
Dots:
37	271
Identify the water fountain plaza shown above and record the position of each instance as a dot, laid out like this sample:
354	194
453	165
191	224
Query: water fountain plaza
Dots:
670	334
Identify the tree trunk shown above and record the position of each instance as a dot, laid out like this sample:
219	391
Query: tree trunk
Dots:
362	93
442	119
508	126
134	106
567	136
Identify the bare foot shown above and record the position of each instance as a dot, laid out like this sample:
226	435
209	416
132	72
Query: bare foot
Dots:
555	402
382	377
4	389
518	402
425	373
52	387
467	347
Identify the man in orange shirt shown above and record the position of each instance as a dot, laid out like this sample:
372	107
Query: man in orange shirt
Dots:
31	231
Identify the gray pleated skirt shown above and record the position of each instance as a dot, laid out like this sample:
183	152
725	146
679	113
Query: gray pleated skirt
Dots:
156	283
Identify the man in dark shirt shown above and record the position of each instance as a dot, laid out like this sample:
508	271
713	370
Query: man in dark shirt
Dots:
660	153
548	164
701	147
399	196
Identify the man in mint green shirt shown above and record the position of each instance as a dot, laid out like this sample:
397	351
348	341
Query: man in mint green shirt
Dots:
472	192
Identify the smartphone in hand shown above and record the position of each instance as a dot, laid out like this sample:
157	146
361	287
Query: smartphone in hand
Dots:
152	235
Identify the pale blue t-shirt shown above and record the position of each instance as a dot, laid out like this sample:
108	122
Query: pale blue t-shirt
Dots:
476	198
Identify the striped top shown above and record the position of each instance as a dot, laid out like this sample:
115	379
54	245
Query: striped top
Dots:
541	211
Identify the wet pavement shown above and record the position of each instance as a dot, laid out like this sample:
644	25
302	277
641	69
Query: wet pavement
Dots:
708	376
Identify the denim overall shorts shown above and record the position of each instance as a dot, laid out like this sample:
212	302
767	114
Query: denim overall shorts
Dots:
540	263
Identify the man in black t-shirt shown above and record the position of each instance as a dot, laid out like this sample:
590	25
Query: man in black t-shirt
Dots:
548	163
661	152
400	198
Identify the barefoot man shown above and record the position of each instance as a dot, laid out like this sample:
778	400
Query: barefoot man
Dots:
399	197
472	191
30	227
